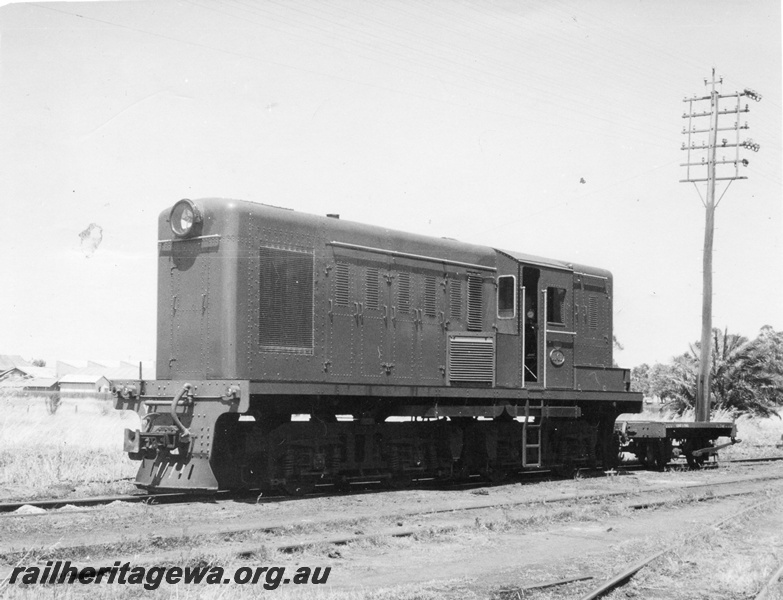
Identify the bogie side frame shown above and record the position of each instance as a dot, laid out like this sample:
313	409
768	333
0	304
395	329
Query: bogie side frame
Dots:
209	435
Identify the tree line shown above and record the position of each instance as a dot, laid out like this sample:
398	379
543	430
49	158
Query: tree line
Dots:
747	375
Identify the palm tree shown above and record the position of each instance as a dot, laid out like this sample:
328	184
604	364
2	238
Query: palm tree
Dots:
747	375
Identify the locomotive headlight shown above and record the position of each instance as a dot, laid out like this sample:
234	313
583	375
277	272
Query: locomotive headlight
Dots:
185	218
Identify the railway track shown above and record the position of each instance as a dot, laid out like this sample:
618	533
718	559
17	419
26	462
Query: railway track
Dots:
639	500
256	539
624	576
51	504
12	508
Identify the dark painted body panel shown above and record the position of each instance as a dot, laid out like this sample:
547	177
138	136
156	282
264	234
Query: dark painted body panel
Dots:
387	308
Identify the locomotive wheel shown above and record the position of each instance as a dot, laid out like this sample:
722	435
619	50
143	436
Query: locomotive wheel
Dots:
399	481
567	470
298	487
493	475
341	484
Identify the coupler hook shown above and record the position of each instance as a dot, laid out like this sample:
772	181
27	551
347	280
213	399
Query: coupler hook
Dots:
714	449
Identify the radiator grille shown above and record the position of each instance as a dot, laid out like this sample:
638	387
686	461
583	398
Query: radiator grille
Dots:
286	300
472	359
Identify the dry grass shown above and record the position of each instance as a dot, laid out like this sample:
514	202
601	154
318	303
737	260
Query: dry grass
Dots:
77	448
760	437
188	592
734	561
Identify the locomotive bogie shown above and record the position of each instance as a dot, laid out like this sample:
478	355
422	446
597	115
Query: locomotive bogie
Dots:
448	358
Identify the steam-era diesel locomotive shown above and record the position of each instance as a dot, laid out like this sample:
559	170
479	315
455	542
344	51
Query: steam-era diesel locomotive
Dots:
295	350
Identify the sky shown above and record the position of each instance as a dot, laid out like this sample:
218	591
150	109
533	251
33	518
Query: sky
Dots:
551	128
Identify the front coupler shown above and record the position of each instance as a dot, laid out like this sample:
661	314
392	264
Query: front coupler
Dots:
176	438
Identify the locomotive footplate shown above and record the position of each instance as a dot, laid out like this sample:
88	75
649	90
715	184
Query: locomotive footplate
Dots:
177	431
656	442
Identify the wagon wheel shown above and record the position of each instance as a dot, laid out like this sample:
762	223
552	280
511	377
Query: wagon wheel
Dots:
643	452
658	453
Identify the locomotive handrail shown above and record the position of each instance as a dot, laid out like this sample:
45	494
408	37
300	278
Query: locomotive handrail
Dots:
397	254
173	411
192	239
165	400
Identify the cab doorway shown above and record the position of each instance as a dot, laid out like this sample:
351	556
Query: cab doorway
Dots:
530	279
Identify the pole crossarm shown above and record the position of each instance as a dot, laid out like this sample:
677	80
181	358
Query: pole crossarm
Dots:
715	179
746	144
745	126
720	112
717	162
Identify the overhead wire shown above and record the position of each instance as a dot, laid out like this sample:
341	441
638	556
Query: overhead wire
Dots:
579	109
640	37
573	105
576	56
527	75
481	75
549	206
277	63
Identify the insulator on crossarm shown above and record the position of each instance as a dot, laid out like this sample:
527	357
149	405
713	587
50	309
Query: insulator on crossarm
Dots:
752	94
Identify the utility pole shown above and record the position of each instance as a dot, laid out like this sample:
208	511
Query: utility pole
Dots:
712	170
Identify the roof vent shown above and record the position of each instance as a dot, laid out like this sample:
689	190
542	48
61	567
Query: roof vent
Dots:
333	215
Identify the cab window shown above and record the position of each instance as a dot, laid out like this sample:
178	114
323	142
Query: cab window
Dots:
507	297
555	305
